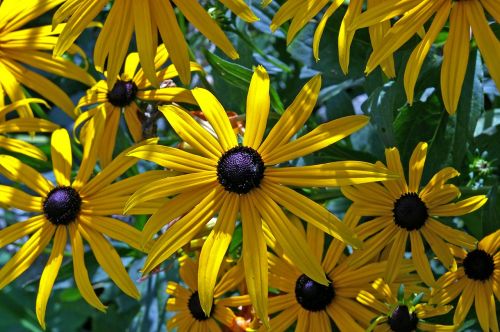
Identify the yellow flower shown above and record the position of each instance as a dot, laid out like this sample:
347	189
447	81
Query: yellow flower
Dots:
131	86
402	210
23	125
300	12
463	16
405	314
21	49
229	178
312	305
146	18
186	302
476	279
80	207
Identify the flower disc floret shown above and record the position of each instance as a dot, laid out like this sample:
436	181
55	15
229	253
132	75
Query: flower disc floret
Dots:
240	169
123	93
195	309
402	321
479	265
311	295
410	212
62	205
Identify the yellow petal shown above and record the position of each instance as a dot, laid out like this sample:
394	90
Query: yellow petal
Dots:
144	37
254	255
460	208
396	256
49	274
308	10
417	162
258	103
15	170
420	258
293	118
241	9
16	231
80	271
217	117
108	258
19	146
61	156
214	250
321	26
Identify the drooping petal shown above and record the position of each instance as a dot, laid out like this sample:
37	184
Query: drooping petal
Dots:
420	259
396	256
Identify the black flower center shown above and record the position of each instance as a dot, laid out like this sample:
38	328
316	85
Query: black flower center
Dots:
123	93
311	295
62	205
479	265
195	308
240	169
410	212
402	321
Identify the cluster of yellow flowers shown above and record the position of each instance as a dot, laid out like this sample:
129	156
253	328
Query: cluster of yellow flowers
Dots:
299	262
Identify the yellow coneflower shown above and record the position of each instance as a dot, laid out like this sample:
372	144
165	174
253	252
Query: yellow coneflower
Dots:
228	178
463	16
185	302
403	314
80	208
132	86
21	49
301	12
403	211
477	280
146	18
23	125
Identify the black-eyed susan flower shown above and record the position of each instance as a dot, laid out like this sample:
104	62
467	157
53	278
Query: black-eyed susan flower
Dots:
227	179
25	48
407	313
301	12
16	125
80	208
131	87
402	210
185	302
314	306
146	18
477	280
463	16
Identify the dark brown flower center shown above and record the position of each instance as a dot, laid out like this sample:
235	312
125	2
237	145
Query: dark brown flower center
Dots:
195	309
123	93
311	295
410	212
402	321
240	169
479	265
62	205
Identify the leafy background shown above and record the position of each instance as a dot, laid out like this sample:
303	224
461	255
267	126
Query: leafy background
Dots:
467	141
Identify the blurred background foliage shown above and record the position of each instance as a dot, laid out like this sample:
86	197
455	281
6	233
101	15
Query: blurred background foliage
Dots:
467	141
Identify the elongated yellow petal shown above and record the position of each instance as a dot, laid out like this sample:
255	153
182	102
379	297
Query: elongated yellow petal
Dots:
417	162
94	130
345	35
18	199
173	37
381	13
110	261
26	255
254	255
229	280
172	158
485	38
217	117
80	271
420	52
457	209
197	15
106	146
451	235
21	124
322	136
9	108
192	132
167	95
321	26
309	9
294	117
258	103
396	256
146	43
214	249
420	259
19	146
15	170
455	58
61	156
49	274
310	211
286	12
16	231
241	9
183	230
464	303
